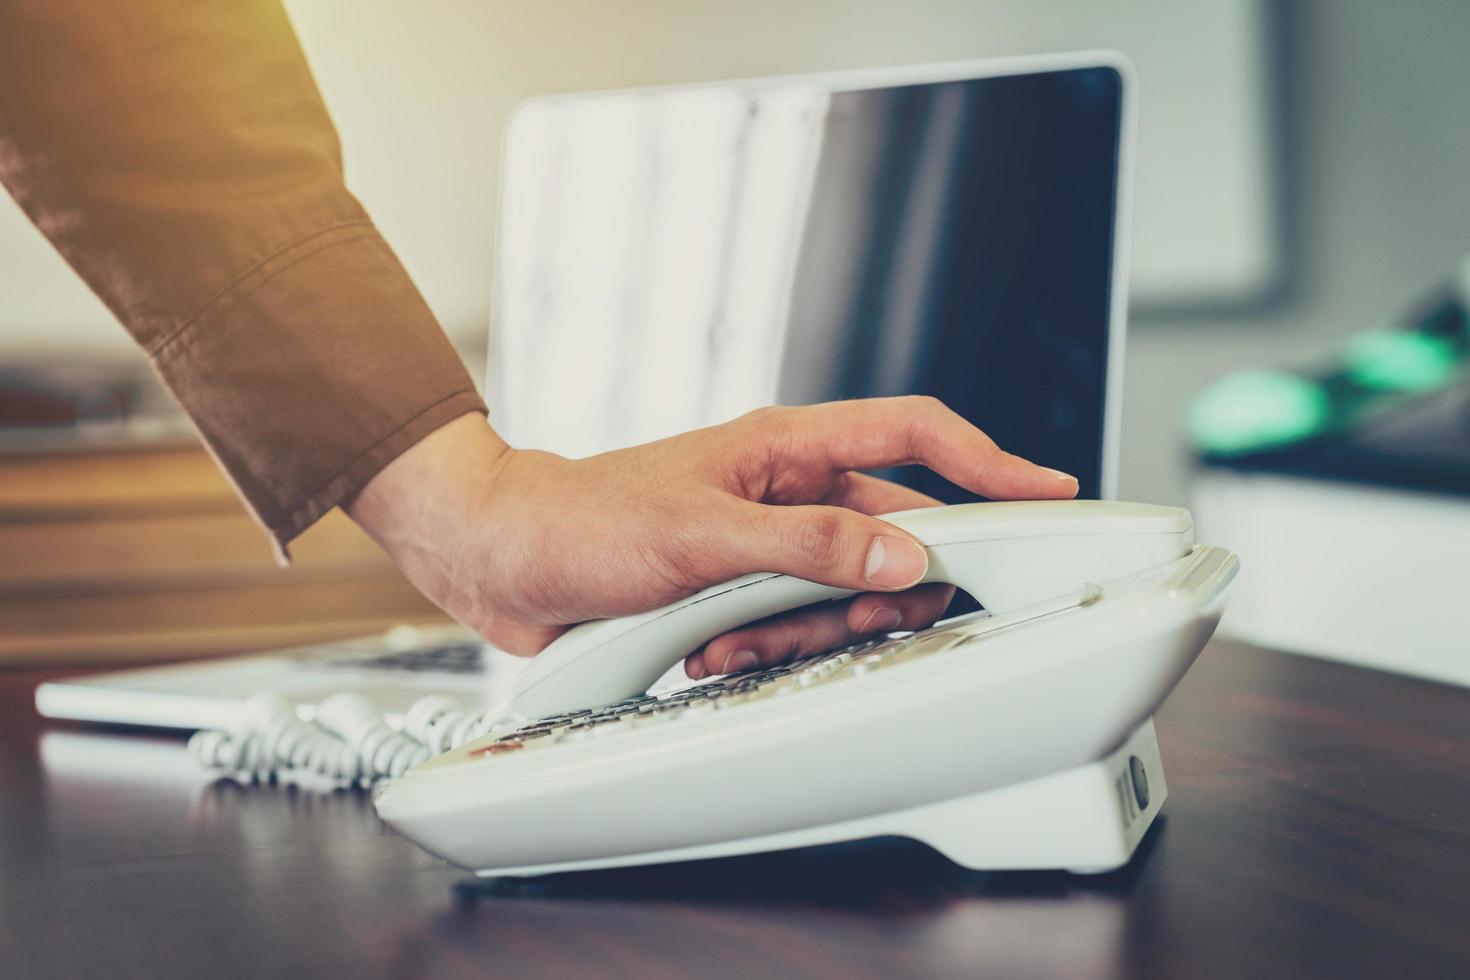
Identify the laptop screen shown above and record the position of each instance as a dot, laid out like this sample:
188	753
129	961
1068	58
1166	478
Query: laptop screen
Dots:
673	258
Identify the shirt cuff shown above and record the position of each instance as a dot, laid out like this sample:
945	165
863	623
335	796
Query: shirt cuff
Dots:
311	372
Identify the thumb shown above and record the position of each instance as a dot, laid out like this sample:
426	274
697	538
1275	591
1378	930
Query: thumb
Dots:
831	545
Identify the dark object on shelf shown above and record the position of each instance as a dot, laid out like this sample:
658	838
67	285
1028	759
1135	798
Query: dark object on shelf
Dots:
1394	412
33	397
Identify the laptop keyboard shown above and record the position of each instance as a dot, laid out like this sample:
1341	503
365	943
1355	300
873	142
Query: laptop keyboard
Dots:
453	658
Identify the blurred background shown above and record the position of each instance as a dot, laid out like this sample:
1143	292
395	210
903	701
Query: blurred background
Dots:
1299	169
1299	179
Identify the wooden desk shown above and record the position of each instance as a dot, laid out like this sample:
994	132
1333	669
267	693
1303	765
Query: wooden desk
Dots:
141	551
1318	825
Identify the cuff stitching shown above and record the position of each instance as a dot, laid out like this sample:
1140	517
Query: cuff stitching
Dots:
171	344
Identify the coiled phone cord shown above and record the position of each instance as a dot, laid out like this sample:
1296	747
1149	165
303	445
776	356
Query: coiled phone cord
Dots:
347	743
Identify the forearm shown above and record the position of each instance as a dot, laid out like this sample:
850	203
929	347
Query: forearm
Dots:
408	505
180	158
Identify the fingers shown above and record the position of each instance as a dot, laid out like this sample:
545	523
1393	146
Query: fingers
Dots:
816	629
771	641
831	545
836	543
879	432
911	610
870	495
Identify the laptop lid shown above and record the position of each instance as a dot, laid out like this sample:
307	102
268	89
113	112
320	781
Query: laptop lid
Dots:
670	258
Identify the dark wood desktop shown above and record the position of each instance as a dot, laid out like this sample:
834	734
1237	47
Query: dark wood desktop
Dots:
1318	824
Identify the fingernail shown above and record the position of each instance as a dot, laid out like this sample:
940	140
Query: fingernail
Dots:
895	563
1059	474
740	660
881	620
696	670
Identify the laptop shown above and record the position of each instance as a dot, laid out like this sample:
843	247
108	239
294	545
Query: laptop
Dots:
392	670
671	258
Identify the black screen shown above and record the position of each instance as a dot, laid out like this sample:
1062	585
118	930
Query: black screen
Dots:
980	268
671	258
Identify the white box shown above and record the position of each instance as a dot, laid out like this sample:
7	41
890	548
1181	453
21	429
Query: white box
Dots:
1375	577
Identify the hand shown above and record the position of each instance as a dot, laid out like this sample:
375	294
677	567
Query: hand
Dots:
519	544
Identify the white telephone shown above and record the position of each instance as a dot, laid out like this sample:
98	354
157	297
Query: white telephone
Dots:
1019	737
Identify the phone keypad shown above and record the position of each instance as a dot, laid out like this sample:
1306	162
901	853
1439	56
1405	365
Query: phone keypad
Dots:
725	693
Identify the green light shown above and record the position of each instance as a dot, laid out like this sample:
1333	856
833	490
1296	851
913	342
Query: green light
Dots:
1252	410
1400	360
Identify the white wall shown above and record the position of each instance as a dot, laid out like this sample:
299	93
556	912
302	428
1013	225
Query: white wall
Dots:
419	92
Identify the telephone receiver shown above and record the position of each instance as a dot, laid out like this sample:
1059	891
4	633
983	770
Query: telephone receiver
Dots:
1007	555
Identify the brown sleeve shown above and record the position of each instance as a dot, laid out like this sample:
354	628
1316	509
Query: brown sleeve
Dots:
180	158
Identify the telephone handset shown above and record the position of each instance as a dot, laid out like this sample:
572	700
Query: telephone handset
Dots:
1005	554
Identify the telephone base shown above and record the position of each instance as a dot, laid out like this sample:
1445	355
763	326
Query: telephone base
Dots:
1087	820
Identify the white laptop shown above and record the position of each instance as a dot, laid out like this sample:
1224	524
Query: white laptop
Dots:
672	258
392	670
